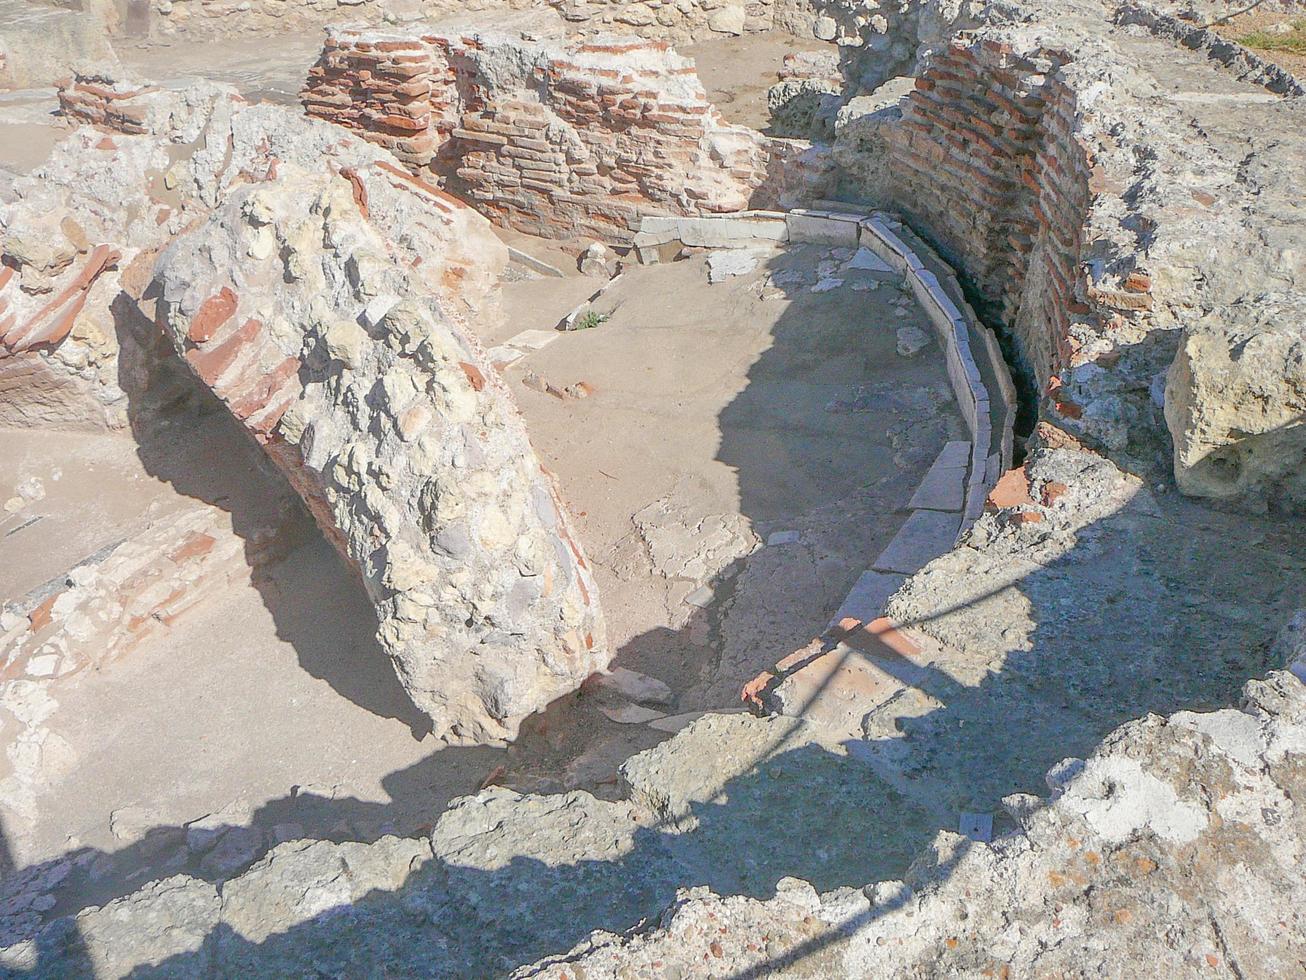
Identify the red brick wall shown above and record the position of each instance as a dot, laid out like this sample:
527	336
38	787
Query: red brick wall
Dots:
581	141
987	163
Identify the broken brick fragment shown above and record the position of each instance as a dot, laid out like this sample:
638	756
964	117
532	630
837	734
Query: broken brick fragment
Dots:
212	314
1011	490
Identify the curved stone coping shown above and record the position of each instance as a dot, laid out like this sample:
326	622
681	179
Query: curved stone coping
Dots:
981	381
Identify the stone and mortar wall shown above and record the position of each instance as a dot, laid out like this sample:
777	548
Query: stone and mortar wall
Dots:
335	337
77	237
325	331
556	139
877	40
1243	62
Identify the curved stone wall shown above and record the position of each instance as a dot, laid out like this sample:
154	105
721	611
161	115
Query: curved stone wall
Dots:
985	161
1072	192
953	493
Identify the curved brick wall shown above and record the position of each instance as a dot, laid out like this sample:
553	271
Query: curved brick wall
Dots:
985	162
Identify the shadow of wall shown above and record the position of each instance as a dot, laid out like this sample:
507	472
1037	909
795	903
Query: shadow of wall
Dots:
1137	617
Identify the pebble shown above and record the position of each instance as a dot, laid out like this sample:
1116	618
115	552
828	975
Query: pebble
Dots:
632	714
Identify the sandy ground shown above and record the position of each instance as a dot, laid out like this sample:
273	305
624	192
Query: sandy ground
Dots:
737	71
716	413
28	129
73	516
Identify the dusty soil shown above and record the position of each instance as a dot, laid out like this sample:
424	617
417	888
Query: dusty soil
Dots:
718	419
28	128
737	71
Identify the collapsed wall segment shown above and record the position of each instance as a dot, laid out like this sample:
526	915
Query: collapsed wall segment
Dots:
324	336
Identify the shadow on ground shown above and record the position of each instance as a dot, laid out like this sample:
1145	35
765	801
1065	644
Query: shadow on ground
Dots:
1147	613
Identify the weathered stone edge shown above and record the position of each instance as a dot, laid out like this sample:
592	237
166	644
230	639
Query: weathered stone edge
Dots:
1242	61
959	331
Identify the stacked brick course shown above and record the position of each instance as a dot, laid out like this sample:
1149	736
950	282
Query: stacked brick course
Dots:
386	87
986	160
109	604
101	100
572	140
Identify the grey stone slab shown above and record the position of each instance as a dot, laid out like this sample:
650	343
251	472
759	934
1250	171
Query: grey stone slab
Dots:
534	264
821	230
943	488
727	232
976	826
869	239
868	596
867	260
922	538
956	453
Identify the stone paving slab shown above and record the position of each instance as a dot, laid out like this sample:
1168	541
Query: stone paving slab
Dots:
944	486
866	599
821	230
922	538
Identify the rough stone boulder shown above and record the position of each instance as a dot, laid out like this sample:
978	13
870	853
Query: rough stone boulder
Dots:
1235	403
320	307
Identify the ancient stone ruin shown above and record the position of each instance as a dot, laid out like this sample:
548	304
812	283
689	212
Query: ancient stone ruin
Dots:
637	488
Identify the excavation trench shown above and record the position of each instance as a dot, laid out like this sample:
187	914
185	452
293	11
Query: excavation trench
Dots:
743	449
735	453
762	428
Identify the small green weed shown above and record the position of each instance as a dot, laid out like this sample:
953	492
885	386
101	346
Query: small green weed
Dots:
589	320
1294	41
